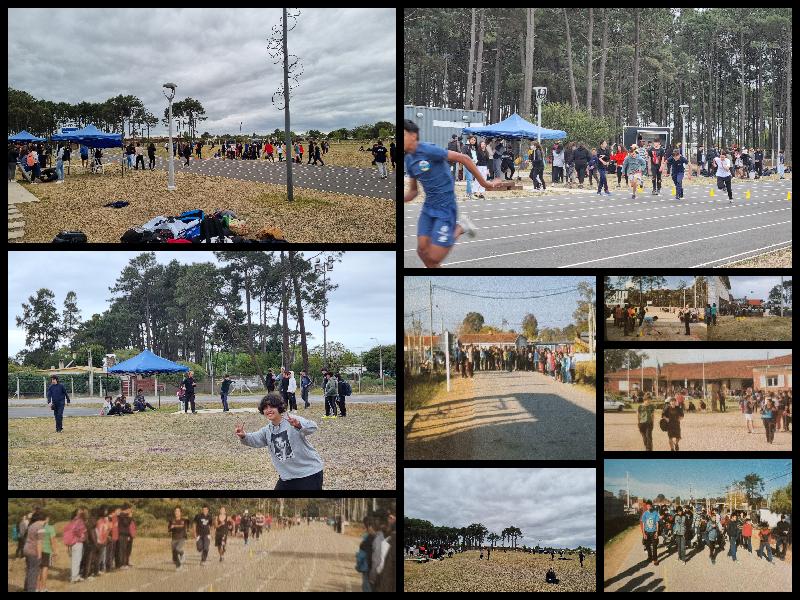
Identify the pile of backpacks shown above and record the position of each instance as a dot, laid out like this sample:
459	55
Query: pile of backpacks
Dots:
191	227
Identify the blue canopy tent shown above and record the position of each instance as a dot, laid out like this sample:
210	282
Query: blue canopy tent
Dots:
24	136
147	364
515	127
90	136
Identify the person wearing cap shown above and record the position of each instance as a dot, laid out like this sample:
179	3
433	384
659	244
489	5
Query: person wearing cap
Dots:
56	395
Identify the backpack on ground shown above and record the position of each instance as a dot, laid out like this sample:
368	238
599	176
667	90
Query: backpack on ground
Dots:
137	235
70	237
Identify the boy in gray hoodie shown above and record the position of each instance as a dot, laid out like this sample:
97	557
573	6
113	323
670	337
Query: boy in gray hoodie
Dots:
294	458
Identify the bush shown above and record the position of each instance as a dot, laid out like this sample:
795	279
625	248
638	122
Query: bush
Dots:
586	373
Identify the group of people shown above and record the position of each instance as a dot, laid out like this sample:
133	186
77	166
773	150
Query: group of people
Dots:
33	160
559	363
98	542
135	150
377	555
120	406
686	528
775	410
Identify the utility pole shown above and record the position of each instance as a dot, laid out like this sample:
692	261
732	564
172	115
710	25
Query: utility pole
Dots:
628	488
430	304
781	295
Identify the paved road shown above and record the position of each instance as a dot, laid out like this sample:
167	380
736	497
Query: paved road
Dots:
586	230
749	573
305	558
329	178
520	415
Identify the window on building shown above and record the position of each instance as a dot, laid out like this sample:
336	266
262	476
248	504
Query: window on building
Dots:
772	381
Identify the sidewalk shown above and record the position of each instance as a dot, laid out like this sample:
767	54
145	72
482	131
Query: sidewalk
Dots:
17	195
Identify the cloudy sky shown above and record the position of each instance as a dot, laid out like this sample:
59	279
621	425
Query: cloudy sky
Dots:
362	307
215	55
552	300
672	478
690	355
751	287
556	506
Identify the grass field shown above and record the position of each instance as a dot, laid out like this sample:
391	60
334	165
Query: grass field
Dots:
505	572
161	450
419	389
752	329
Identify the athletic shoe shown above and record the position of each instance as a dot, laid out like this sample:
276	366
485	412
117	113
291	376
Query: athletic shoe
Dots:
467	226
606	193
633	196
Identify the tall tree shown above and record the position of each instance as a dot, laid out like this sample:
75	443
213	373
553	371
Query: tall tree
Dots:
589	48
70	318
527	87
634	116
470	64
294	268
571	72
476	99
601	80
40	321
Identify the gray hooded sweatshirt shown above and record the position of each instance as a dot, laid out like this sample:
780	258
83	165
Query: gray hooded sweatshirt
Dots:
291	454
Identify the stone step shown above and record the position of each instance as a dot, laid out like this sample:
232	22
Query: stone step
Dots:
16	224
16	234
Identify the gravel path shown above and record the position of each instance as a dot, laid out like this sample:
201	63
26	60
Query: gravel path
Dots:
520	415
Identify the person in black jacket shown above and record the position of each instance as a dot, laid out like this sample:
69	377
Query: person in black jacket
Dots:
188	386
56	395
342	388
453	146
151	155
537	168
581	157
759	162
224	390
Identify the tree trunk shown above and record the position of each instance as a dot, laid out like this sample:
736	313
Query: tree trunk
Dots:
634	117
496	96
285	312
573	93
787	132
743	107
589	63
471	64
529	46
601	82
300	317
476	99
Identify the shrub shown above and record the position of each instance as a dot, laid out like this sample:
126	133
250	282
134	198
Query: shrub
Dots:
586	372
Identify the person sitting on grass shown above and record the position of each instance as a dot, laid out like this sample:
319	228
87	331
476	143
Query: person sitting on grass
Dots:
551	576
140	404
124	405
297	462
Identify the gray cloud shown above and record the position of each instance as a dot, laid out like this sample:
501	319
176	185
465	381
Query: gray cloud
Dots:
217	56
556	506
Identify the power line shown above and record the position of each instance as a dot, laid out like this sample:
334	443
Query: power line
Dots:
462	293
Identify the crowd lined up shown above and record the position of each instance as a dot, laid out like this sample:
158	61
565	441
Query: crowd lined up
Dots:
685	528
558	364
774	408
100	542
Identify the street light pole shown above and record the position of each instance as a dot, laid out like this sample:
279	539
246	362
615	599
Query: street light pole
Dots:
289	190
324	267
380	358
541	96
170	159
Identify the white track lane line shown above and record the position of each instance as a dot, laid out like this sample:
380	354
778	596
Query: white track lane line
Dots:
789	242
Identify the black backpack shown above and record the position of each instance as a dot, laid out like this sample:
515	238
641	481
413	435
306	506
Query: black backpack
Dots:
348	391
70	237
138	236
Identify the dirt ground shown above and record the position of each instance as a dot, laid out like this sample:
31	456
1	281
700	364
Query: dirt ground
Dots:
304	558
660	331
778	258
178	451
504	572
699	431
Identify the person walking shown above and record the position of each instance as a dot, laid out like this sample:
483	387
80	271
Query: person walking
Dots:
221	532
581	557
733	531
188	385
768	419
379	152
178	528
245	526
633	167
679	530
224	390
298	464
537	168
569	163
603	160
645	417
305	383
713	536
748	408
673	414
342	389
56	395
187	154
648	524
724	176
151	155
763	544
318	156
677	169
202	531
655	155
747	535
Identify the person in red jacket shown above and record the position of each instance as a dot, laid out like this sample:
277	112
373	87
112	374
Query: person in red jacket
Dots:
619	157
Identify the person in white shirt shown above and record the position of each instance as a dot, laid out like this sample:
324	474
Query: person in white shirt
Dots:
724	176
291	391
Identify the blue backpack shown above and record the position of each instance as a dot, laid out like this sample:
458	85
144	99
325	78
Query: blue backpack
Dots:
362	566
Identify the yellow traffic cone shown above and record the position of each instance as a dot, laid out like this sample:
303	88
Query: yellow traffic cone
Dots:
788	195
711	192
673	191
747	195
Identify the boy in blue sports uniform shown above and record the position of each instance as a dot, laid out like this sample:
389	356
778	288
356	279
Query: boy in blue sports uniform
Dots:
437	229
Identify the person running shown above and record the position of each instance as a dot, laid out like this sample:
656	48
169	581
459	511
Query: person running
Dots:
724	176
221	532
673	415
178	528
603	160
56	395
245	525
763	535
655	156
437	229
648	523
298	464
677	169
645	414
224	390
633	167
202	532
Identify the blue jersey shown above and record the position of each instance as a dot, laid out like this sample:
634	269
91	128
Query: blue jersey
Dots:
650	519
429	166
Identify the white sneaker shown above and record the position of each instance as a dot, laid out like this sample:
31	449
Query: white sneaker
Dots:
467	226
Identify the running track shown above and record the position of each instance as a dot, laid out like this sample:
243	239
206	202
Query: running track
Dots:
586	230
303	558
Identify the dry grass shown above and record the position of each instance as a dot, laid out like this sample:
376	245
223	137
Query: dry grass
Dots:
78	205
175	451
751	329
505	572
781	258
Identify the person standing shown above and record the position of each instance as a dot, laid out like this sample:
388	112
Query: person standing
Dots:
537	168
569	163
365	553
581	556
202	530
782	537
763	534
603	160
331	392
648	524
393	154
768	419
22	531
452	146
305	385
673	414
84	151
124	523
291	391
713	537
74	536
733	531
759	162
48	554
655	156
139	156
677	168
747	535
497	159
221	532
151	155
558	163
178	528
33	549
188	397
60	164
724	176
224	391
56	395
749	407
679	530
781	164
645	416
284	385
342	389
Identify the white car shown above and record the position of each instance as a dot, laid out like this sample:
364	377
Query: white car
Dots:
611	404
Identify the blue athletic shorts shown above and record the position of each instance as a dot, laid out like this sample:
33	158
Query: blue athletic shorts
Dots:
441	230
